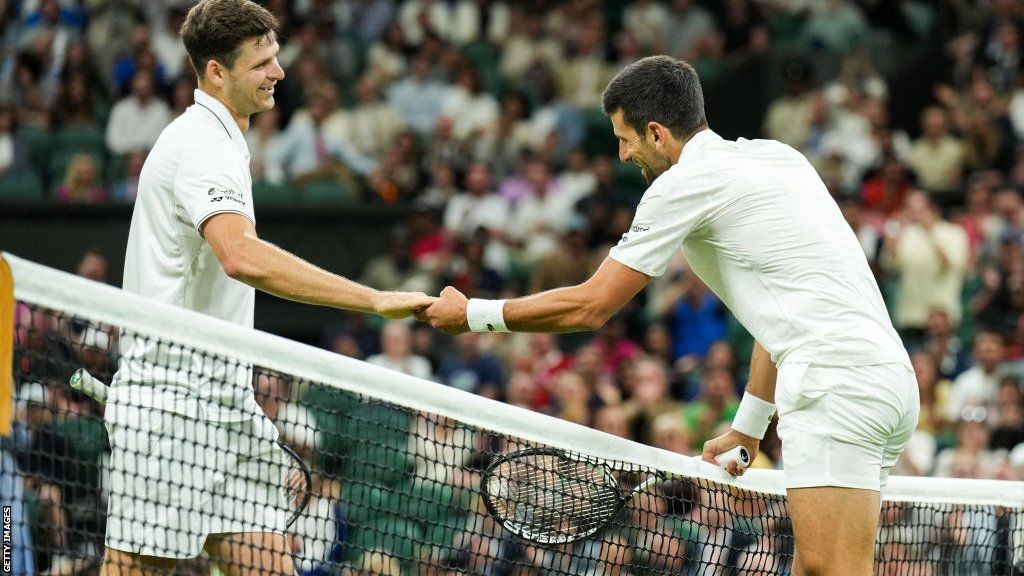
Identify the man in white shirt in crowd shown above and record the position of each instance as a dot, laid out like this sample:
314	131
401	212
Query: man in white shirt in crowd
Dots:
759	228
192	455
137	120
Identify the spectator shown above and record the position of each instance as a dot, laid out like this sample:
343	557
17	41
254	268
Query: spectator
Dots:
167	45
396	352
835	25
137	120
471	109
140	57
688	22
885	191
527	48
670	432
262	138
372	125
469	271
418	97
697	319
999	304
126	187
308	152
929	255
478	207
396	268
971	457
567	265
574	399
613	345
1009	421
934	391
77	102
14	150
472	369
385	61
716	404
943	344
647	21
540	215
649	397
582	77
937	157
422	18
613	419
979	384
45	457
979	219
788	119
743	28
82	182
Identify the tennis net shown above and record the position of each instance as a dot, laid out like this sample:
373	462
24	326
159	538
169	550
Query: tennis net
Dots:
398	465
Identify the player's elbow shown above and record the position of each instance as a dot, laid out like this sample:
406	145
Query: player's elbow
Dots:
240	263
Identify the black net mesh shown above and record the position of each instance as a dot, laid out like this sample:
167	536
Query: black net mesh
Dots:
393	491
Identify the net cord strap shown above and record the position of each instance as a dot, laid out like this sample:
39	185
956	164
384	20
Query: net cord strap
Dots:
51	288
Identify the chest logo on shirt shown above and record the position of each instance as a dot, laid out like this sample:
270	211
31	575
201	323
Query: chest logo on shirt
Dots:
228	194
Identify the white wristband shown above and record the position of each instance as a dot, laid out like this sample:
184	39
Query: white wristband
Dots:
753	416
486	315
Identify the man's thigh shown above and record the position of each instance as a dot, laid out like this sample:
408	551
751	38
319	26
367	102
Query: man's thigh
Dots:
835	530
251	554
120	563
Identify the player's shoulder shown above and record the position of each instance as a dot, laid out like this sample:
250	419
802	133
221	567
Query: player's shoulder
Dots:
193	135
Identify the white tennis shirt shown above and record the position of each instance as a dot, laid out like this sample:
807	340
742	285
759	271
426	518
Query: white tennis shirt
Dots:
760	229
199	167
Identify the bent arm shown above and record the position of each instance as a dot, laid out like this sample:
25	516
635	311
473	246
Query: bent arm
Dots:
266	267
584	307
763	374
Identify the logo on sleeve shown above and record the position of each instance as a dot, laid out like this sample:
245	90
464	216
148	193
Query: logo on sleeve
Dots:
220	195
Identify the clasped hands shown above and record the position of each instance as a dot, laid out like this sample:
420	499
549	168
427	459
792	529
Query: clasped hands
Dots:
446	312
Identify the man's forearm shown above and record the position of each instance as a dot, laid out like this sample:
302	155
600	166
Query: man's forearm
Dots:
558	310
762	374
266	267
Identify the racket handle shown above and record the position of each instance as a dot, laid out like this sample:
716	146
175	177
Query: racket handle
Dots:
739	455
85	383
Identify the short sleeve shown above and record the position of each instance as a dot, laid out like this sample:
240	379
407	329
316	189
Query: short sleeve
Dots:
211	179
666	216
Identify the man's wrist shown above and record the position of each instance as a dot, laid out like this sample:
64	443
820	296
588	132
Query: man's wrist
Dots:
486	315
753	416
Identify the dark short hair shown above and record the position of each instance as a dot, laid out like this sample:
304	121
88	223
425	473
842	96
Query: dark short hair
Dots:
658	89
215	30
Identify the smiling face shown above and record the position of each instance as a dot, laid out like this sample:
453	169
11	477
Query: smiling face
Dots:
638	149
248	86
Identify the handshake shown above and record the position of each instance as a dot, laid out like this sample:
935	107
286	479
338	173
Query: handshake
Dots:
446	312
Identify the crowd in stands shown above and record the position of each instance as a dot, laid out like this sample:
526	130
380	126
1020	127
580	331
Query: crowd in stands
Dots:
482	117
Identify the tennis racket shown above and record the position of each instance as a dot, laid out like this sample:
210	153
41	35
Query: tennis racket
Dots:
552	497
298	479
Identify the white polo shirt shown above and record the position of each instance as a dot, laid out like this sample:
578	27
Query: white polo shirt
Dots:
199	167
758	226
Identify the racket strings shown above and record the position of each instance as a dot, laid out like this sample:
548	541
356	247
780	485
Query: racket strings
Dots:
554	498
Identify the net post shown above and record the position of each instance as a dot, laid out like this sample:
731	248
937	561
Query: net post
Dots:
6	347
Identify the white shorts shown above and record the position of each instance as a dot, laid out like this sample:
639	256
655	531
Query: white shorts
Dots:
844	426
175	480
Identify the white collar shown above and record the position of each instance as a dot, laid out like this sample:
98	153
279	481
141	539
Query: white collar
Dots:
696	142
220	112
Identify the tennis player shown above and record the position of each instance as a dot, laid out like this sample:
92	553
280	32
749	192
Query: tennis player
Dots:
192	462
758	226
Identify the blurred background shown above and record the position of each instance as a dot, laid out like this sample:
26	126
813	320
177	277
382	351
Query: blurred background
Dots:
424	143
